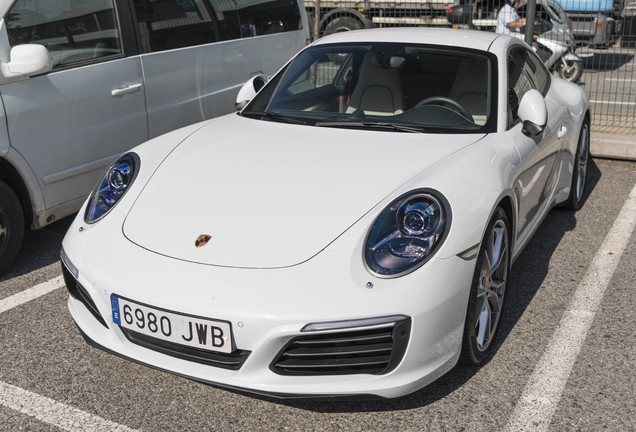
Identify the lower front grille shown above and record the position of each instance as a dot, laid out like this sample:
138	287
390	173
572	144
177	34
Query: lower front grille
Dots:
78	292
232	361
376	350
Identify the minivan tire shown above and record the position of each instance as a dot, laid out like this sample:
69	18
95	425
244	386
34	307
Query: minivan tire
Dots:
11	227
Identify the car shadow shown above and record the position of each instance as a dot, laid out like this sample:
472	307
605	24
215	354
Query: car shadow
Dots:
606	61
40	249
527	276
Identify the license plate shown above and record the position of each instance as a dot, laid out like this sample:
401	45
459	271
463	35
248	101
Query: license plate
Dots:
182	329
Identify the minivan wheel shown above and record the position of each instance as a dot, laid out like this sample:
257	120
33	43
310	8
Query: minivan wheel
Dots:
487	293
11	227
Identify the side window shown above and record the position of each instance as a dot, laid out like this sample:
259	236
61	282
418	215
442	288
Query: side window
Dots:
72	30
331	69
170	24
525	72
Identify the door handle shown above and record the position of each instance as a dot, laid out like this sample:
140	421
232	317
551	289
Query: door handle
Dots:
562	131
125	88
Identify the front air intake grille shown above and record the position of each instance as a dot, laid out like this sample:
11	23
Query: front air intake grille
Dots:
376	350
78	292
232	361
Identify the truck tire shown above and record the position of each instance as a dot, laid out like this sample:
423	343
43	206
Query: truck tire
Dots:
11	227
343	23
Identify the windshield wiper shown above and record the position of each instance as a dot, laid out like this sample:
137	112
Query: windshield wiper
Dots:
369	124
273	116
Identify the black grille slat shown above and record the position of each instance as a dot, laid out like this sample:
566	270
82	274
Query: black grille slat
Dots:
362	351
346	340
232	361
345	350
331	363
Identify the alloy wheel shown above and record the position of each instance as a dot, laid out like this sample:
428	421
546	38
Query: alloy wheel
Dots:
491	284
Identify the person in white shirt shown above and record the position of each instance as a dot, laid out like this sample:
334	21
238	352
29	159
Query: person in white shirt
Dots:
508	20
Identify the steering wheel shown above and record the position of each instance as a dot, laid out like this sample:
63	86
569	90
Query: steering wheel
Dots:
445	101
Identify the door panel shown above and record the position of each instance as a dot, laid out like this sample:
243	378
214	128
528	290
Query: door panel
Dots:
536	185
69	126
189	85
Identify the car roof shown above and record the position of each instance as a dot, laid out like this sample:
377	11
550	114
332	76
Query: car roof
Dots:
478	40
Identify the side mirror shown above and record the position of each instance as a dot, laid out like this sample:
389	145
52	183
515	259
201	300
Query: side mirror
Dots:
533	113
249	90
29	59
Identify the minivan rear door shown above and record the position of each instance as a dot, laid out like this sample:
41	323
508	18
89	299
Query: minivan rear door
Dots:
196	54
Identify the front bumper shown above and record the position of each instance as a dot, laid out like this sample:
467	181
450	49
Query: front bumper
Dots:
268	311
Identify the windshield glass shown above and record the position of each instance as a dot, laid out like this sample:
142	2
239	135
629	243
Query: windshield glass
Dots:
402	87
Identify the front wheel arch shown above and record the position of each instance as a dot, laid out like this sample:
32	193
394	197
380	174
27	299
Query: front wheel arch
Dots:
488	290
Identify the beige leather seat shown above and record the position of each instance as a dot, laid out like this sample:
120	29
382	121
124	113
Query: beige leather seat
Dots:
470	87
379	89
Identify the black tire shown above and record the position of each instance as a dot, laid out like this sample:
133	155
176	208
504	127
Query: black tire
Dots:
579	171
343	23
487	292
571	71
11	227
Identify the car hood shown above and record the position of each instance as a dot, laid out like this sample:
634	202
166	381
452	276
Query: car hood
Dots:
271	194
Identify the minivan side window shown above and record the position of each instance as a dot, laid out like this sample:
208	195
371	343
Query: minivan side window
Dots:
72	30
171	24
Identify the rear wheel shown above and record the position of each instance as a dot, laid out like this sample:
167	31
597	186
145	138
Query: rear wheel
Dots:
341	24
11	227
570	70
579	174
487	292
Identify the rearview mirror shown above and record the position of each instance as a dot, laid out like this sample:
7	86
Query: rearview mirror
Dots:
29	59
249	90
533	113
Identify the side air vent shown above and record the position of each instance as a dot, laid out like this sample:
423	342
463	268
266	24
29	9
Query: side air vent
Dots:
376	350
78	292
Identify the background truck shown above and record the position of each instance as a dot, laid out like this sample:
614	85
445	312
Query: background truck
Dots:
343	15
596	23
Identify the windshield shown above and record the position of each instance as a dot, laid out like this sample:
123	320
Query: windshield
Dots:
400	87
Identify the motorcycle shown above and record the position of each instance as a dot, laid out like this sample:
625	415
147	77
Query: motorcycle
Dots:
552	40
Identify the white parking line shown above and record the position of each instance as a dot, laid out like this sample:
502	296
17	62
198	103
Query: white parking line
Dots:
55	413
541	396
31	293
42	408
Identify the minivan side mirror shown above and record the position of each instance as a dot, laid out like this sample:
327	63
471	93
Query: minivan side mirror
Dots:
249	90
29	59
533	113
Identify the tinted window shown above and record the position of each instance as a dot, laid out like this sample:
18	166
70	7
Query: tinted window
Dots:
525	72
170	24
72	30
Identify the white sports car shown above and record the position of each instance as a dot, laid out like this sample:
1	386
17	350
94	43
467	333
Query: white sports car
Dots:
349	232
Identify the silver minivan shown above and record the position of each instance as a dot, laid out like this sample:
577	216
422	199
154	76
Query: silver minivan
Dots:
81	81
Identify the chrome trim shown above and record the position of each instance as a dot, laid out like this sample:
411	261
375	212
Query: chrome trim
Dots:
353	323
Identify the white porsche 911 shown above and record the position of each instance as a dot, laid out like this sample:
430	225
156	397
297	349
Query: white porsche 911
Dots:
349	232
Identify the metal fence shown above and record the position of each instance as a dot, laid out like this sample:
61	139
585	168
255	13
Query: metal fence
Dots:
591	42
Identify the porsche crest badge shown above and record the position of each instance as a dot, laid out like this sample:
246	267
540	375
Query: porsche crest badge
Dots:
202	240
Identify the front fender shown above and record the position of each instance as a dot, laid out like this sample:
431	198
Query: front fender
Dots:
570	56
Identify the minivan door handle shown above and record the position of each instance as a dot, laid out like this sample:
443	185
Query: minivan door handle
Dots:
125	88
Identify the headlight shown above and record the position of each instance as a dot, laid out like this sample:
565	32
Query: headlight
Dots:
407	233
112	186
